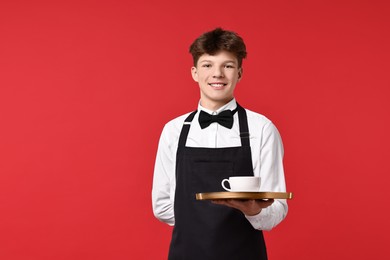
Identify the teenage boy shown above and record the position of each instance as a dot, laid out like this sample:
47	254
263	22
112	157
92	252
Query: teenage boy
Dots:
199	149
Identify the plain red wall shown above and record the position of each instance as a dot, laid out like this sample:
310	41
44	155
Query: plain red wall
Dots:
86	87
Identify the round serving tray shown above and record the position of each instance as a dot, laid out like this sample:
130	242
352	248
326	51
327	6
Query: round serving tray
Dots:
243	195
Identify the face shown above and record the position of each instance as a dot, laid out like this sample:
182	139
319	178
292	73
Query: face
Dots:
217	76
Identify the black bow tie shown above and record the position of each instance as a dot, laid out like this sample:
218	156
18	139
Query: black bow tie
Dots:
225	118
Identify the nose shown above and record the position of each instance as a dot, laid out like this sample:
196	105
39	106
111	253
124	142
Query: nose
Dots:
218	72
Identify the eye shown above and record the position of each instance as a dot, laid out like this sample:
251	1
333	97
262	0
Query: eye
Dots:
229	66
206	65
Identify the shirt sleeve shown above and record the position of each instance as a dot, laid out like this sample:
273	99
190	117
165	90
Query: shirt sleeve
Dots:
163	180
272	179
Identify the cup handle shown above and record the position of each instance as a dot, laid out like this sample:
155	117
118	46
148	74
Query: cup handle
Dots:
223	184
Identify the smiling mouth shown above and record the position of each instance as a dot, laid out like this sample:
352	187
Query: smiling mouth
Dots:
217	85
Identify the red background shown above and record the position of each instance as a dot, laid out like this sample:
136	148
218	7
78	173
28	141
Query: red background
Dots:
86	87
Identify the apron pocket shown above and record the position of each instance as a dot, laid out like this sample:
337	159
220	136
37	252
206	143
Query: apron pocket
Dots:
207	176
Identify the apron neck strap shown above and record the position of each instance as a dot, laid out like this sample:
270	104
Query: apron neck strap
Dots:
186	129
243	123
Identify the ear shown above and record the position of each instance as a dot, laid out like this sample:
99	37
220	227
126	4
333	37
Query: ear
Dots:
194	74
240	72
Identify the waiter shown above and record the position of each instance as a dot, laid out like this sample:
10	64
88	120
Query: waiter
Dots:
199	149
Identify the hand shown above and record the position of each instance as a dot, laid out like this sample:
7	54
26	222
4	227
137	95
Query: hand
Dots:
248	207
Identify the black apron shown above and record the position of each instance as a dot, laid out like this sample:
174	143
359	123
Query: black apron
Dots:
203	230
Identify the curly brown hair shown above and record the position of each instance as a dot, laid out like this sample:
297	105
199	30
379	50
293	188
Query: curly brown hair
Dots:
218	40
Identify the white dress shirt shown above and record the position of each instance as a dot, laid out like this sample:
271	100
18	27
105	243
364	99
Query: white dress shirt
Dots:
267	159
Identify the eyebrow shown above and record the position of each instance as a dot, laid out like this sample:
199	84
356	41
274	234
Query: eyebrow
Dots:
227	61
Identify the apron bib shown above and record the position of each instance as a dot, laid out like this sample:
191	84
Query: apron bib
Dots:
203	230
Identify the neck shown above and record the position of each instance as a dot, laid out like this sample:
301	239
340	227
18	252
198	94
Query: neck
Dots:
214	105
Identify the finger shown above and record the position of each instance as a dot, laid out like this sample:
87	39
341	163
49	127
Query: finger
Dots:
219	202
265	203
239	204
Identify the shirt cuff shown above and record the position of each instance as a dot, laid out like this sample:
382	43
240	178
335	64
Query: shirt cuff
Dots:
259	221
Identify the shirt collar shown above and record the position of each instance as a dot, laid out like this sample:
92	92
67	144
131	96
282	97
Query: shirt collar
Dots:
231	105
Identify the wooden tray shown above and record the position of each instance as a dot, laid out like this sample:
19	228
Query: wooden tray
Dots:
243	195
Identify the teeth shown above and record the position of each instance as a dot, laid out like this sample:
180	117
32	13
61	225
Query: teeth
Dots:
217	84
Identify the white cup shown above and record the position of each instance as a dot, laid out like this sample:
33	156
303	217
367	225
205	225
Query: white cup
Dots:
242	183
